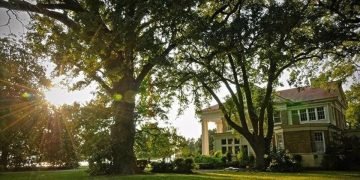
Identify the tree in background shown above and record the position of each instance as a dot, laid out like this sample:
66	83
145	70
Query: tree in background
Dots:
154	142
21	104
353	110
243	45
60	141
114	43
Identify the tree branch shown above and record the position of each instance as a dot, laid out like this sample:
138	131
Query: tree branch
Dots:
26	6
147	67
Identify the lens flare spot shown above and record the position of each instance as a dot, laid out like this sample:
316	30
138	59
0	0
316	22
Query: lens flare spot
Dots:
26	95
117	97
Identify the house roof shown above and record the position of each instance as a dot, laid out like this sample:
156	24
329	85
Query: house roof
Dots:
307	94
302	94
211	108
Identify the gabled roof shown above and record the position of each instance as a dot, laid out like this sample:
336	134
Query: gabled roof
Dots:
307	94
302	94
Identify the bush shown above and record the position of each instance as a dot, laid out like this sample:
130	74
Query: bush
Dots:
141	164
208	162
96	169
233	164
162	167
218	154
244	159
184	166
280	161
179	165
344	155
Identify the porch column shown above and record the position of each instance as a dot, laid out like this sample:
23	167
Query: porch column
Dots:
205	137
219	126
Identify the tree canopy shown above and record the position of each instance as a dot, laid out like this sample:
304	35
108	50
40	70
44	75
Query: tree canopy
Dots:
244	46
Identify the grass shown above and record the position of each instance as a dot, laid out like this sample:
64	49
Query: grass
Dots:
81	174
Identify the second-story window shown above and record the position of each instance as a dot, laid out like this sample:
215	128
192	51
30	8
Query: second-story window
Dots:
320	113
312	115
303	115
277	118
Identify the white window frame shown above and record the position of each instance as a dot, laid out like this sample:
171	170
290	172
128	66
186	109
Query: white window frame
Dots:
316	115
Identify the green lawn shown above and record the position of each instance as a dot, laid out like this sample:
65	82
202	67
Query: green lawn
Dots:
81	174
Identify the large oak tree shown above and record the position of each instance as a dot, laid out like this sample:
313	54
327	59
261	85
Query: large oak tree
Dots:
246	46
114	43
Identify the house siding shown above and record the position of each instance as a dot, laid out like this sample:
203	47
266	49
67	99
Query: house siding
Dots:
298	141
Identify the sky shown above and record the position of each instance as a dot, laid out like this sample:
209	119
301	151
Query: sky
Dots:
187	124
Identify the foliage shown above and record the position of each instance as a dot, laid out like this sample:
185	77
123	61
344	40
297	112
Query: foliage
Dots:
153	141
343	154
21	123
116	44
192	148
353	109
162	167
179	165
184	165
281	161
209	162
141	164
244	159
243	44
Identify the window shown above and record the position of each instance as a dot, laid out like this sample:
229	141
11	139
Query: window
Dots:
229	145
295	116
279	141
320	113
237	141
223	149
319	142
303	115
312	115
277	118
223	141
237	149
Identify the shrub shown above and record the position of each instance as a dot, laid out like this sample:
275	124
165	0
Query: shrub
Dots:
141	164
218	154
233	164
244	159
280	161
208	162
184	166
162	167
344	155
229	156
96	169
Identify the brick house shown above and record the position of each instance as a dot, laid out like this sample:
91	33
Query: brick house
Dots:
306	120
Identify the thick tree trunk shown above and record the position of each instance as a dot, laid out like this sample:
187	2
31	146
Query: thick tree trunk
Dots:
122	139
260	151
123	129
